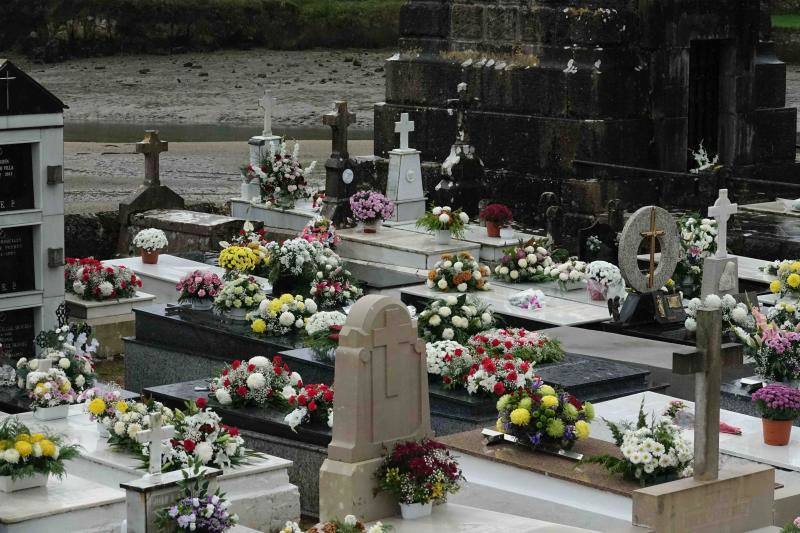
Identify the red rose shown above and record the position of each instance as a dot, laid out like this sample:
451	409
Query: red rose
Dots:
328	396
189	445
241	391
495	343
512	376
225	372
201	403
446	380
226	383
458	352
480	350
291	400
236	364
302	400
508	344
312	406
251	367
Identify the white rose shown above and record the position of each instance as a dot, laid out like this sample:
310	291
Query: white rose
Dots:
504	271
447	264
523	263
442	284
256	380
563	276
447	334
34	364
457	266
476	275
295	379
435	320
532	259
486	318
451	300
462	287
80	381
514	274
445	312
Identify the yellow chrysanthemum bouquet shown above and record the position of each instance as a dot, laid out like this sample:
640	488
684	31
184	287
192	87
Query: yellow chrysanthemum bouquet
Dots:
24	454
238	260
787	284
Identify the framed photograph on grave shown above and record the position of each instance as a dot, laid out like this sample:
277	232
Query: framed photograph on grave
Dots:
16	260
17	333
668	308
16	177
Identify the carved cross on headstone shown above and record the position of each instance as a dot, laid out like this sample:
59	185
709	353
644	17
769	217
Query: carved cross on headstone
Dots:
722	211
155	436
652	235
391	337
8	79
265	103
339	120
706	364
151	146
404	127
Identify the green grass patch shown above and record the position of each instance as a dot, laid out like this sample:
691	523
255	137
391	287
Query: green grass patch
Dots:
786	21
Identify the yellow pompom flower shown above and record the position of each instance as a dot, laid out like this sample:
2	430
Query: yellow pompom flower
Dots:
97	406
793	280
520	417
286	298
23	437
581	429
790	308
258	326
24	449
549	401
65	387
795	266
48	448
37	437
121	406
547	390
775	286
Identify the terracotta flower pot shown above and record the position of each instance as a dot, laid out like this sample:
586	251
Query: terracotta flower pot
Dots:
150	258
776	432
492	229
372	227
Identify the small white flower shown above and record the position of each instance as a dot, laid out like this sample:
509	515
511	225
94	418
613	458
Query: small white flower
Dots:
437	211
442	284
448	334
462	287
64	363
464	217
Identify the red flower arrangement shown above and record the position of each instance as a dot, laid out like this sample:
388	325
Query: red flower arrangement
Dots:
420	472
313	403
90	280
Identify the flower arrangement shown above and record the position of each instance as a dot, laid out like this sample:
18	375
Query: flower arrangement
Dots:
540	416
333	286
249	237
323	329
420	472
449	360
196	509
526	262
257	382
89	280
49	389
460	272
499	376
788	283
785	315
198	286
733	313
570	271
150	240
318	200
101	404
77	368
444	219
704	161
604	280
777	402
775	351
454	318
698	241
593	244
794	527
350	524
282	178
321	230
532	346
283	315
371	207
294	261
499	214
242	292
238	261
25	454
651	453
312	403
125	419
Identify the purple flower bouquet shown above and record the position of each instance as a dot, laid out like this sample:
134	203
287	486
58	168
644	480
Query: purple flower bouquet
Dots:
371	207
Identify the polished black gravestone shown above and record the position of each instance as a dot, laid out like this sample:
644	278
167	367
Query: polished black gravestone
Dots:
16	260
16	177
17	333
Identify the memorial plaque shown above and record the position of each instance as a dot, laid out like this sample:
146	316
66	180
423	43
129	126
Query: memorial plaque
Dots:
16	260
17	333
16	177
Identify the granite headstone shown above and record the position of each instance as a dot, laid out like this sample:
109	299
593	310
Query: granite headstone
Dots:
16	259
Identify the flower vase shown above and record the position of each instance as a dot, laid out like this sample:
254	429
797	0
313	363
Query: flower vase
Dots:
492	229
202	305
597	291
12	485
150	257
412	511
102	430
776	432
442	236
51	413
372	227
237	314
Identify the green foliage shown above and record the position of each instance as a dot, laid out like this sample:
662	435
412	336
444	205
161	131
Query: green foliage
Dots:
786	21
13	431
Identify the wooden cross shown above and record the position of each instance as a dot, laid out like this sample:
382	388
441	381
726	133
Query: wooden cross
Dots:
265	103
151	146
722	211
392	337
404	127
8	79
155	436
706	364
652	235
339	120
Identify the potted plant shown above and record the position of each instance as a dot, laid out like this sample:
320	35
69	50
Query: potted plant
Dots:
370	208
238	260
88	279
419	474
150	242
779	406
199	288
27	459
444	223
50	393
238	297
496	216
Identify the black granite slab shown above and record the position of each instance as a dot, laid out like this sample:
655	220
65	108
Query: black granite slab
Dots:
674	333
13	401
259	420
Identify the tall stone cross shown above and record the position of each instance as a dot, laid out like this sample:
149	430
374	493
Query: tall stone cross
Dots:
151	146
392	338
404	127
155	436
265	103
706	364
652	235
339	120
721	211
8	79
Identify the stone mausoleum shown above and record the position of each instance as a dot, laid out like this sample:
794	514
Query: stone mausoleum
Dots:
595	100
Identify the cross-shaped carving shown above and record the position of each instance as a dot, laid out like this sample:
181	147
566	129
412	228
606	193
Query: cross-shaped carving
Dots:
265	103
392	337
339	120
706	363
151	146
156	436
652	236
404	127
722	211
8	79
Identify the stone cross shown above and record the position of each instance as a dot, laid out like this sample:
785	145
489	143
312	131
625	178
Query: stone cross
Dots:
722	211
706	364
155	436
8	79
151	146
392	339
339	120
652	234
462	104
265	103
404	127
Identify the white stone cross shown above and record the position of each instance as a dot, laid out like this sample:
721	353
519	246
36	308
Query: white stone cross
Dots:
8	79
265	103
722	211
404	127
155	436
